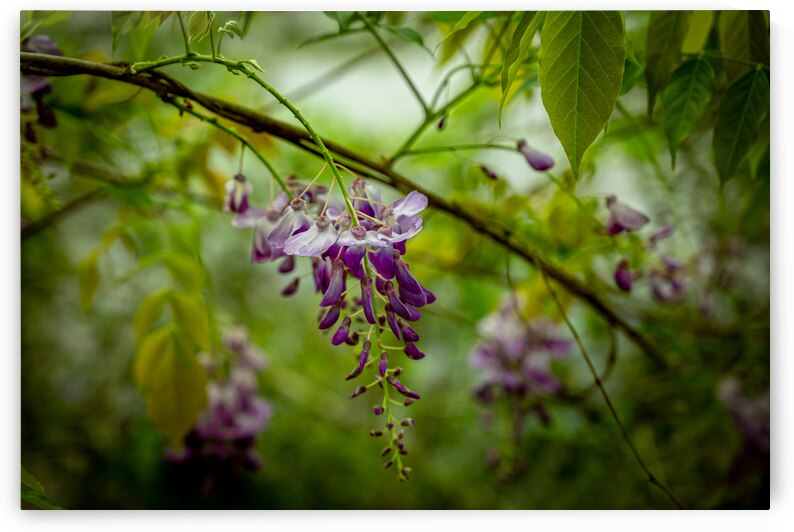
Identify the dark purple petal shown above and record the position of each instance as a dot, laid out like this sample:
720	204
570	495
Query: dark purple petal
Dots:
404	277
378	410
392	319
366	300
413	352
263	250
352	257
383	261
287	265
330	318
623	276
337	285
238	191
397	306
544	379
413	313
429	296
383	363
402	389
291	288
409	334
417	300
341	333
362	361
537	160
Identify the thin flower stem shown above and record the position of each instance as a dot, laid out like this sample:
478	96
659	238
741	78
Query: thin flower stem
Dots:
184	33
397	63
354	198
368	217
305	190
460	147
231	132
242	68
651	477
328	200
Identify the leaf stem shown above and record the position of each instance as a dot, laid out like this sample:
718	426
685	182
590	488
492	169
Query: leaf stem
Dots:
397	64
185	37
651	477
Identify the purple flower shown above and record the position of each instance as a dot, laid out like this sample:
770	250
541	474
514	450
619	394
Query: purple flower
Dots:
662	233
291	288
667	285
490	174
362	361
294	220
383	363
337	285
623	276
341	333
238	192
313	242
330	318
263	250
623	218
537	160
366	300
409	334
413	352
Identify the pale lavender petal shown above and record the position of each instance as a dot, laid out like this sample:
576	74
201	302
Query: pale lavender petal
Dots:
414	203
311	243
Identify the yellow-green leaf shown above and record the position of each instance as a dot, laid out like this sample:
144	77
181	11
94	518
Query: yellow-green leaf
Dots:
742	110
191	318
88	273
744	36
149	311
461	24
177	393
581	67
665	37
199	25
151	353
699	28
185	270
31	482
516	52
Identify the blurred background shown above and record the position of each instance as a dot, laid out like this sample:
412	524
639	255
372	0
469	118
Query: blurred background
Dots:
702	425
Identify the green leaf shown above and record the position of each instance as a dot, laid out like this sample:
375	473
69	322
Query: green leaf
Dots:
185	270
158	16
666	32
743	108
39	500
177	392
684	100
581	67
190	316
462	23
199	25
516	52
88	273
744	35
699	28
31	482
122	22
230	28
150	354
342	18
149	311
406	34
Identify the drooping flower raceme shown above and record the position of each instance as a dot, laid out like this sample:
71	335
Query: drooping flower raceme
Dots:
359	270
235	412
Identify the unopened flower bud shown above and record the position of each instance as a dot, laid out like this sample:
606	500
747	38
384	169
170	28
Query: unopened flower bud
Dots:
385	451
358	391
488	172
376	433
291	288
378	410
388	464
408	422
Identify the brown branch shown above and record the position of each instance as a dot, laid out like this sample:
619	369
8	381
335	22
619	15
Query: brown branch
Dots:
164	85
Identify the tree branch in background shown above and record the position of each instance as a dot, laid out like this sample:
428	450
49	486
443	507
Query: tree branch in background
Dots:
164	86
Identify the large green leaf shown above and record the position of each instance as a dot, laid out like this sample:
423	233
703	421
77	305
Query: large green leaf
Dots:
516	52
684	99
666	33
150	354
743	108
177	392
744	37
149	311
581	67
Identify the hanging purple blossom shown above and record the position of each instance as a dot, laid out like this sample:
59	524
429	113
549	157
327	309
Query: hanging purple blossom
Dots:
537	160
623	218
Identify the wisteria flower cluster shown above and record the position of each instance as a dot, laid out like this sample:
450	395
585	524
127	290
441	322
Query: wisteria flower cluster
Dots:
33	89
356	249
666	281
515	356
235	413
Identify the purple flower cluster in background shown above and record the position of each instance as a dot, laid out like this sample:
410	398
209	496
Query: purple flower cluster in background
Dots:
235	413
667	280
515	356
357	266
